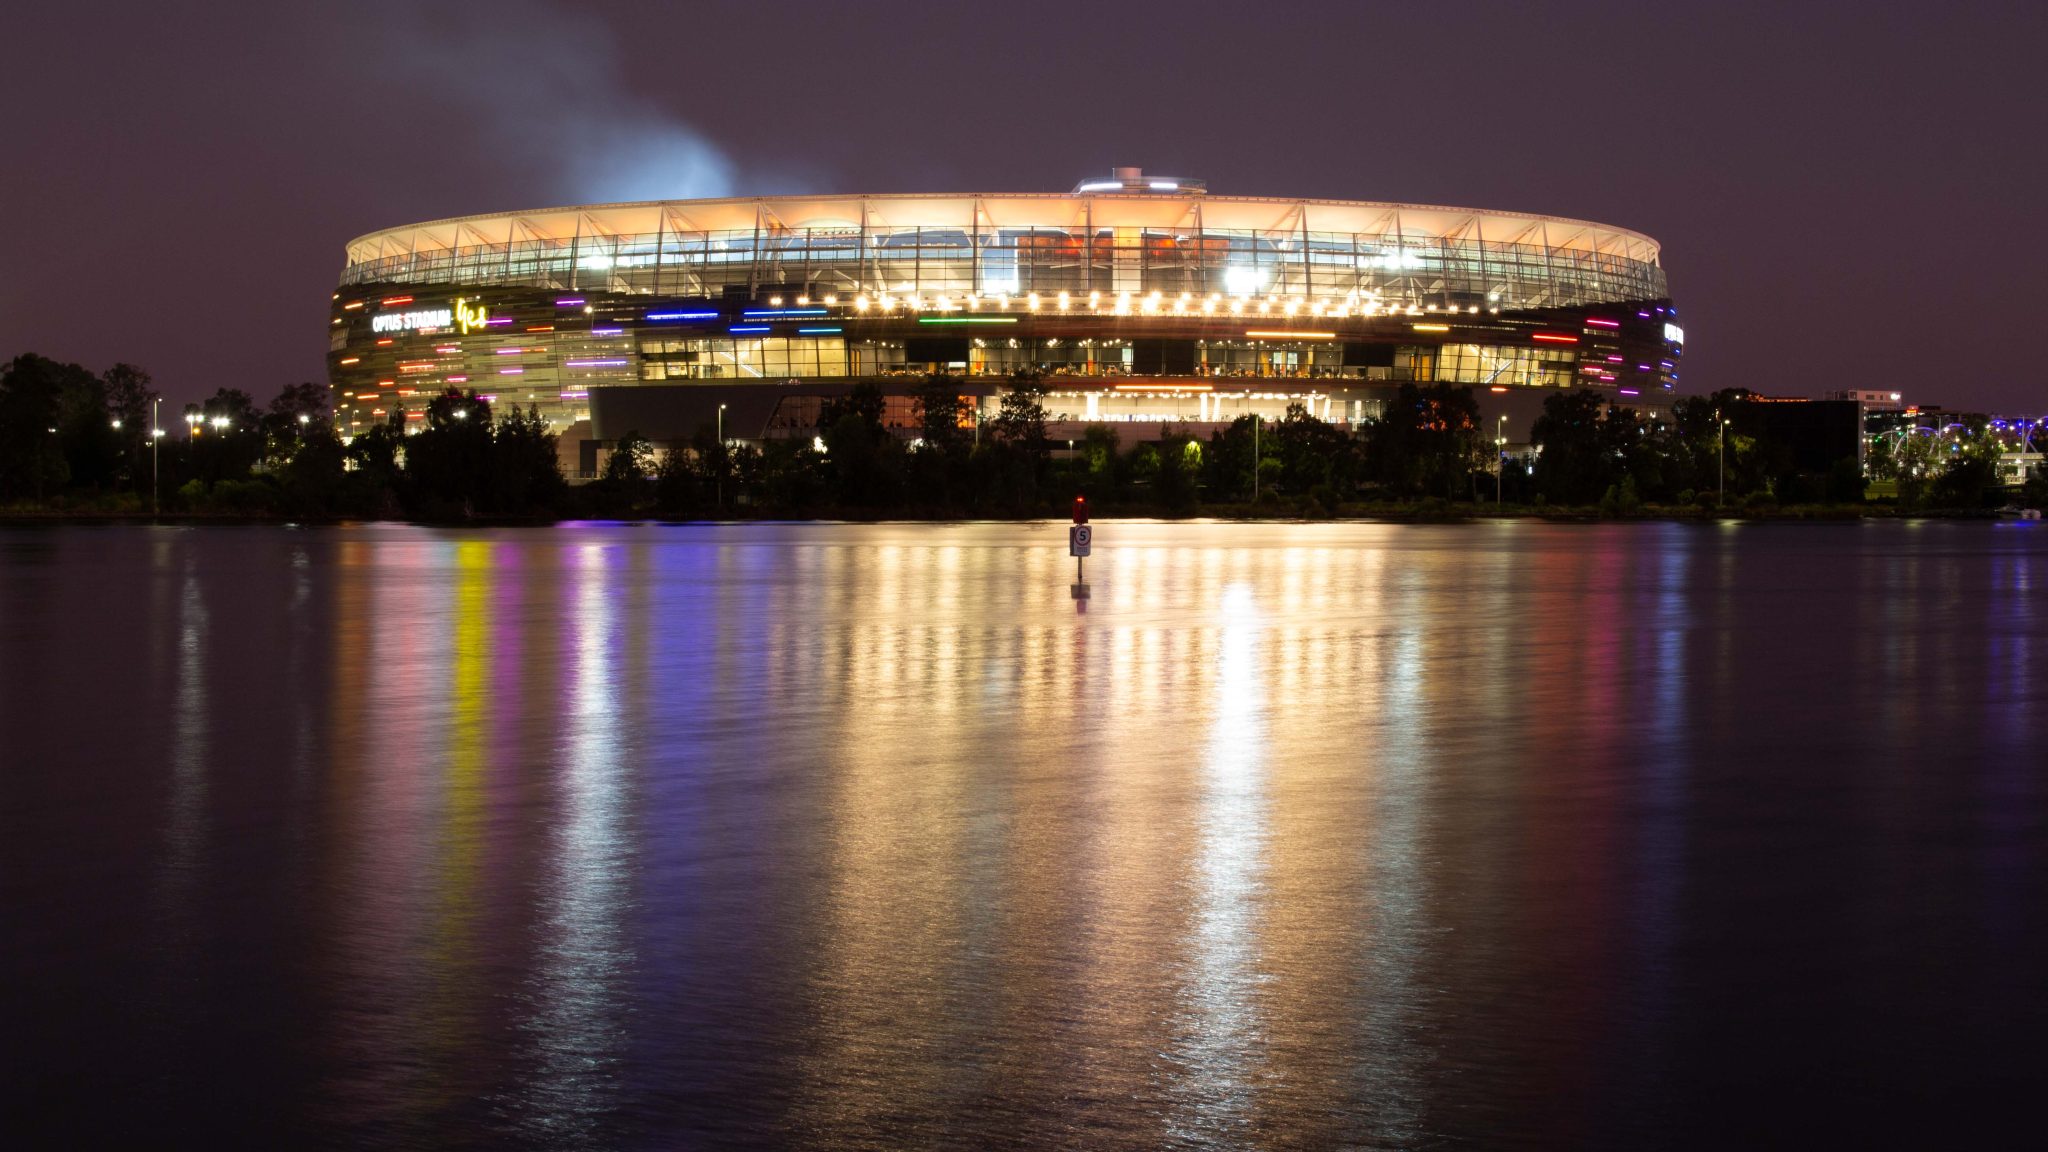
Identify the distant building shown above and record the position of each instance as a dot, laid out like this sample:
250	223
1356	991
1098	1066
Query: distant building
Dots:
1800	435
2018	467
1873	400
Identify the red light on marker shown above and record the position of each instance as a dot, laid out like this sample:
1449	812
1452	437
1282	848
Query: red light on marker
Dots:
1080	509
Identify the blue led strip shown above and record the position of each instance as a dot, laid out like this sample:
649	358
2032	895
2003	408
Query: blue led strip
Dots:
682	315
762	313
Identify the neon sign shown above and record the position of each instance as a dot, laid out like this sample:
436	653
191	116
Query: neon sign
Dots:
467	318
410	321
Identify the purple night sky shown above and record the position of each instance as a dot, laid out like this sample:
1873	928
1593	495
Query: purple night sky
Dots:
1847	194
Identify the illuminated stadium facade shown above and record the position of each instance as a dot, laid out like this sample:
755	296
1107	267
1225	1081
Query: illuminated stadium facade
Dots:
1142	300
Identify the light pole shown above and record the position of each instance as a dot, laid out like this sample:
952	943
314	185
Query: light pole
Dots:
1721	482
156	435
721	457
1500	455
1255	457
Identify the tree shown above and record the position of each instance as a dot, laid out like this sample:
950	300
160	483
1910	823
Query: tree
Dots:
130	397
939	409
675	483
1313	453
1228	464
92	446
710	459
1101	475
449	461
1576	464
1882	459
1971	471
1696	446
525	464
631	461
129	393
1845	482
749	467
32	458
1634	459
376	450
1180	462
1918	465
296	413
229	439
793	476
864	402
314	476
1011	468
1020	417
863	461
1425	441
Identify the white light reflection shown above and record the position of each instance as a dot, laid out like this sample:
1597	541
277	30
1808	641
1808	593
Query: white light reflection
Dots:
1222	1031
579	1026
186	832
1395	928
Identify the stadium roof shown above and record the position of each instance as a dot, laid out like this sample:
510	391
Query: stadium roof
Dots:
1408	224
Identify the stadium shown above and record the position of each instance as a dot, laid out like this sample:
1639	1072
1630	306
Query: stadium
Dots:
1141	300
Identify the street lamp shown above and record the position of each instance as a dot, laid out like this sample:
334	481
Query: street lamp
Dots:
1500	455
721	457
1721	484
156	435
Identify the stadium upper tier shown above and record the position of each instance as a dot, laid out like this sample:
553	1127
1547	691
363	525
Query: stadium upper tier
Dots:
1173	241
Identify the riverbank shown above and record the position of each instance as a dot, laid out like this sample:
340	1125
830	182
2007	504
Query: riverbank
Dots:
1420	512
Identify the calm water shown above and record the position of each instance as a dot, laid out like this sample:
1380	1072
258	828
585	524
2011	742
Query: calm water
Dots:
865	836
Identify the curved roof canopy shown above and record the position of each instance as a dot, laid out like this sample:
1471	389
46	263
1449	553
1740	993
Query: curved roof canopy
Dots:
983	212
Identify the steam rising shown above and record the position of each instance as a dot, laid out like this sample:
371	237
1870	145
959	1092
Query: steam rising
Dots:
542	91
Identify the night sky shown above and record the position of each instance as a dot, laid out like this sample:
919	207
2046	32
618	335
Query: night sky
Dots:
1848	195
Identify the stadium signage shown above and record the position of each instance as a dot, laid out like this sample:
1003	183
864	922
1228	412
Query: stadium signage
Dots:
461	315
468	318
410	321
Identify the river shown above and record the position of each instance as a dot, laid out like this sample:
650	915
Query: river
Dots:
875	836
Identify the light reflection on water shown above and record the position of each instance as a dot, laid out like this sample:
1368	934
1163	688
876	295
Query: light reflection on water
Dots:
1220	1037
844	836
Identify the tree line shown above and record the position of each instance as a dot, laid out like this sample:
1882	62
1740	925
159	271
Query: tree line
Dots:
72	439
1427	446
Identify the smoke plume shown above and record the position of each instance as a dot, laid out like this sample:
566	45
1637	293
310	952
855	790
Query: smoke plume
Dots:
540	92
